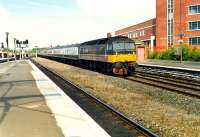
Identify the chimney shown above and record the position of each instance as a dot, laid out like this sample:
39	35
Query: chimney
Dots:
109	35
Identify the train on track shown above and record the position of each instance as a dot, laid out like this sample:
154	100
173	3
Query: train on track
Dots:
115	55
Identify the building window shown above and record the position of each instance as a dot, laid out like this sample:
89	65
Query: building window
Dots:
140	33
136	35
130	36
194	41
133	35
194	9
170	20
195	25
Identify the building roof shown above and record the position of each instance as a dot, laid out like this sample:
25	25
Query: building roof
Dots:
139	25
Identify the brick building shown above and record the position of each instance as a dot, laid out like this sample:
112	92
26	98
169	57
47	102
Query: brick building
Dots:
176	21
145	32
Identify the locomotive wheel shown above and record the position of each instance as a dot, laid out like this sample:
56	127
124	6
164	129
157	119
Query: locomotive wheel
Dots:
120	71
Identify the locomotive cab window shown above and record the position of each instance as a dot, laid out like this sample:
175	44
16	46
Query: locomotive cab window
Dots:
109	48
123	47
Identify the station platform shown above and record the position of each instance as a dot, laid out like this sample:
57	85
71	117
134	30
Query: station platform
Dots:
185	65
31	105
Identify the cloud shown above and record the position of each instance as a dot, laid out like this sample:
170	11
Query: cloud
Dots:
118	9
91	19
111	15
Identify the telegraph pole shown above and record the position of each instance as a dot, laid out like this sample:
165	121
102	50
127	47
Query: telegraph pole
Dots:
15	49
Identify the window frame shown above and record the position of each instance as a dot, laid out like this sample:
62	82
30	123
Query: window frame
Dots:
198	9
197	43
198	25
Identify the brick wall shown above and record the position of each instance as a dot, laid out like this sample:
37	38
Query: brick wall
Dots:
181	22
142	31
189	18
161	25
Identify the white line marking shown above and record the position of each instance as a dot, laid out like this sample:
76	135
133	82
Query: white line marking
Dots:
181	68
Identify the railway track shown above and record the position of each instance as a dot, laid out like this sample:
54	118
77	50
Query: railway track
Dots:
113	121
182	86
178	73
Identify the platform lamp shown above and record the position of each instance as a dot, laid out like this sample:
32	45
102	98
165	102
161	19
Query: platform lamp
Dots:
180	48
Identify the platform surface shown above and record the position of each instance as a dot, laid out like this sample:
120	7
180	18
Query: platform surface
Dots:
169	63
31	105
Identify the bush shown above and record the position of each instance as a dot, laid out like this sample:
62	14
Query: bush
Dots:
168	54
188	54
195	54
186	50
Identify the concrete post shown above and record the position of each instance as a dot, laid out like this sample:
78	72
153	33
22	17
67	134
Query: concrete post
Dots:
152	43
36	52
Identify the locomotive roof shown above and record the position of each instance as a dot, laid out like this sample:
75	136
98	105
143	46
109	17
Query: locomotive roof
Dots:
104	40
92	42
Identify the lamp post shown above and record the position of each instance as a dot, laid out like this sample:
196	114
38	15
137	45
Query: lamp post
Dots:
7	42
15	49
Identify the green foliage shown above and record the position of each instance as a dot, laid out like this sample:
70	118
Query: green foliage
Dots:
168	54
188	54
154	55
33	50
195	55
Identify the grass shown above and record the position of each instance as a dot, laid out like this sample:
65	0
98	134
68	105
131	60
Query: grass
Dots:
164	112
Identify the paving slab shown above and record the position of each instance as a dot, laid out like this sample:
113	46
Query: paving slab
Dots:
31	105
23	110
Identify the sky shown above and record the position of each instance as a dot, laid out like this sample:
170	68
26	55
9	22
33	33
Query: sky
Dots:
60	22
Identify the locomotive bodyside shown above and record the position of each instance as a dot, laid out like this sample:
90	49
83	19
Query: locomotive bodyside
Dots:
115	54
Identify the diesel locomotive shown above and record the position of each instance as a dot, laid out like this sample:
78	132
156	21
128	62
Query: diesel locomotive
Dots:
115	55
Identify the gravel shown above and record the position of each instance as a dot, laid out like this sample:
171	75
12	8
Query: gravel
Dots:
164	112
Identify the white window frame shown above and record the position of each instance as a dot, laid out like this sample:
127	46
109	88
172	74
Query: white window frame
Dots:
193	37
189	10
189	25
